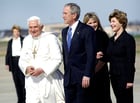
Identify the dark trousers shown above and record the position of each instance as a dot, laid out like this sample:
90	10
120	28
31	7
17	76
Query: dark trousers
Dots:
102	86
122	94
19	80
77	94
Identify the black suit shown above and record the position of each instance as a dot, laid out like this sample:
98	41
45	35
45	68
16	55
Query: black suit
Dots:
79	62
18	76
121	54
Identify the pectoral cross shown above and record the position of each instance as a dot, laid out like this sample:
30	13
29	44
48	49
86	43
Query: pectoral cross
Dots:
34	52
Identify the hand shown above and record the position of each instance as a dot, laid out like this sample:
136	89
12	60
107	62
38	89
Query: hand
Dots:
7	67
85	82
37	72
29	70
129	85
99	55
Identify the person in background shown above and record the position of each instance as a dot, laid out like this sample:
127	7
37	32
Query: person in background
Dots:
79	56
101	78
39	61
121	55
11	61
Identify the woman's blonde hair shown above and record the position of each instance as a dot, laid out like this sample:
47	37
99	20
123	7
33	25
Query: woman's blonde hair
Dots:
92	15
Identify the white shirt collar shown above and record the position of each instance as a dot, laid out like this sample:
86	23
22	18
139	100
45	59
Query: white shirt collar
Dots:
74	26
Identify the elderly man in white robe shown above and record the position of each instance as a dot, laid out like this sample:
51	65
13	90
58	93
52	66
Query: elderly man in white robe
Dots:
39	61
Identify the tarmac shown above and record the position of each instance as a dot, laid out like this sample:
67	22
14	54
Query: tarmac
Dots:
8	94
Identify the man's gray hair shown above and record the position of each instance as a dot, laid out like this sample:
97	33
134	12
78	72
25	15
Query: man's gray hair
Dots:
74	9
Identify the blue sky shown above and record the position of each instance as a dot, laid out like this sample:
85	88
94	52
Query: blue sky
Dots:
50	11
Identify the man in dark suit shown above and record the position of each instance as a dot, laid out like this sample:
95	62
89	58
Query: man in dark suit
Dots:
79	57
11	62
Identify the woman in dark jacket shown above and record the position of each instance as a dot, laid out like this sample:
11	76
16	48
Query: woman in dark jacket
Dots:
121	54
11	62
101	78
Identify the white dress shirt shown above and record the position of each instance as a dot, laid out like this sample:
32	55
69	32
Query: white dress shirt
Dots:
16	47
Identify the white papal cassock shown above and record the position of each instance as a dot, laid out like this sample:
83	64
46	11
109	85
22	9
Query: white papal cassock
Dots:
42	52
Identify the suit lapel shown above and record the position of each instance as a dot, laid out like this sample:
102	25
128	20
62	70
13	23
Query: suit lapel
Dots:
75	35
65	39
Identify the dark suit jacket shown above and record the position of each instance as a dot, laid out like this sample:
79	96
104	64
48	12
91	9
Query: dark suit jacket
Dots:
121	54
80	60
102	40
8	57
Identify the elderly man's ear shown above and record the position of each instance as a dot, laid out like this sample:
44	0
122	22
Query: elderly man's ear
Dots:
42	27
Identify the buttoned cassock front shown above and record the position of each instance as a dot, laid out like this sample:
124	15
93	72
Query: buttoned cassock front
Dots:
48	86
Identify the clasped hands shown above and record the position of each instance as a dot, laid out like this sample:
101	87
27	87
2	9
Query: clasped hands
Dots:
30	70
